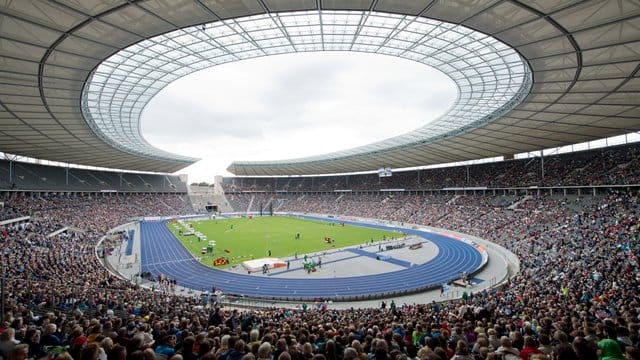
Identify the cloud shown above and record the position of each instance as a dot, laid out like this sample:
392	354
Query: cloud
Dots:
170	119
294	105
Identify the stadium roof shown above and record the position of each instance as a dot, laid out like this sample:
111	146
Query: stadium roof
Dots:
573	76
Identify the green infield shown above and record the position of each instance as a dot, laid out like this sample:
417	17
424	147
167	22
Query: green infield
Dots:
241	239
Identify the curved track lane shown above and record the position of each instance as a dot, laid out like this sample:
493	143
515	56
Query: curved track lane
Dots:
162	253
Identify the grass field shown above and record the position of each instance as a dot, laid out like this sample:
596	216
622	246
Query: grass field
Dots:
243	239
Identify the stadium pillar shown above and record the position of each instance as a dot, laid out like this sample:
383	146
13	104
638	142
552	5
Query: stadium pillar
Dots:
542	164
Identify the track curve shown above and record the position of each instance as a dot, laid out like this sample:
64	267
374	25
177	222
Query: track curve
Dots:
162	253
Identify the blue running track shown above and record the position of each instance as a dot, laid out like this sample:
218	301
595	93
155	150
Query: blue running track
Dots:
162	253
373	255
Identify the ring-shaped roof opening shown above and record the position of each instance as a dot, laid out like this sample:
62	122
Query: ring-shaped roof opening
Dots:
491	77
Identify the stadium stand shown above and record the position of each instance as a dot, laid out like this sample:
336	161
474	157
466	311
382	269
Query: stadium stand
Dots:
606	166
574	225
16	175
578	281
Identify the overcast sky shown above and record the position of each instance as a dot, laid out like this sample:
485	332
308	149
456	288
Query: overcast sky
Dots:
290	106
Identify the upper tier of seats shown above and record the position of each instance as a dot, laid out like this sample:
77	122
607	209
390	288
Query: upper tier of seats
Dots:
27	176
618	165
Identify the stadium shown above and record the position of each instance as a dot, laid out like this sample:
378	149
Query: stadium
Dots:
532	254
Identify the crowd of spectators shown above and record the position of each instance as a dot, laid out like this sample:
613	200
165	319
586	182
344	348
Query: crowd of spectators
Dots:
62	270
576	295
607	166
579	270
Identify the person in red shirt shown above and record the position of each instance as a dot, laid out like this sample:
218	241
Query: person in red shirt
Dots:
530	347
